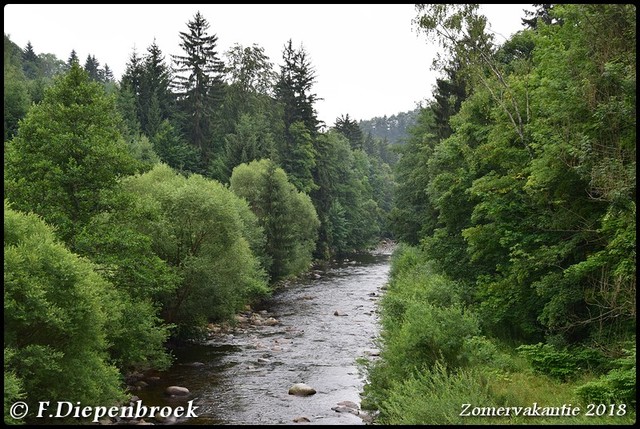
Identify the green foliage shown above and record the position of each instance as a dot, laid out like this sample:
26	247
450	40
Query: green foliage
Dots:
435	396
413	213
116	242
16	97
173	150
392	130
142	150
617	386
298	156
196	228
68	149
287	216
13	389
351	130
198	83
561	364
252	140
344	198
56	310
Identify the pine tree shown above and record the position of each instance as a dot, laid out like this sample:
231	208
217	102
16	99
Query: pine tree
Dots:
293	88
92	66
30	62
293	91
351	130
107	74
156	99
198	82
73	58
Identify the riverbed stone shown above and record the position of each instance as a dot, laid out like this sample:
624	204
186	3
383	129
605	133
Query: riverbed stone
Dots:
177	391
271	321
301	389
301	419
349	404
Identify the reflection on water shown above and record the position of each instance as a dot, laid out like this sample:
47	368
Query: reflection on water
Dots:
321	326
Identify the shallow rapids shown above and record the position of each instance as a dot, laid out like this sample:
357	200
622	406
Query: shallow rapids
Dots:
312	331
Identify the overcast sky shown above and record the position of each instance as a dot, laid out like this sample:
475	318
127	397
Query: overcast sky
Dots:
369	60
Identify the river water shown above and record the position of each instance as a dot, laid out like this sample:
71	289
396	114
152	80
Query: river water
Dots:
311	331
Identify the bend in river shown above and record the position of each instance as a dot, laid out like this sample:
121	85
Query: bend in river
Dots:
310	332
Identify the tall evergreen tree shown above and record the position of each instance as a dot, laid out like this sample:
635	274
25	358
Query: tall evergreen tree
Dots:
73	58
198	83
92	66
30	62
293	88
542	13
351	130
107	74
156	98
293	91
132	76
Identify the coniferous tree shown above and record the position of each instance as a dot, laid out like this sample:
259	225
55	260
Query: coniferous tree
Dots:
92	66
132	76
542	12
293	91
351	130
198	83
293	88
107	74
73	58
156	99
30	63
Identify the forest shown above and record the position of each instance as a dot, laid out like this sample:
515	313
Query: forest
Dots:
139	210
515	280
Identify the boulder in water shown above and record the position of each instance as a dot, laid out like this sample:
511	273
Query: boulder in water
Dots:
176	391
301	389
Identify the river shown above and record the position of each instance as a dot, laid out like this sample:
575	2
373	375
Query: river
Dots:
311	331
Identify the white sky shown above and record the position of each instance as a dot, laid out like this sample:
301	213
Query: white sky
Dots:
369	59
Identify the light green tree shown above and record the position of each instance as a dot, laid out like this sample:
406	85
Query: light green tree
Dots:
288	217
56	311
67	151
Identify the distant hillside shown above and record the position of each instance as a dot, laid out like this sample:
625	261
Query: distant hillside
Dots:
392	128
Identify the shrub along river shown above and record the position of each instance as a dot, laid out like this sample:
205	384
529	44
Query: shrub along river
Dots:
311	331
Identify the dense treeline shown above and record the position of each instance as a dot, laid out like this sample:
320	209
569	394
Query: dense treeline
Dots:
393	129
139	210
516	201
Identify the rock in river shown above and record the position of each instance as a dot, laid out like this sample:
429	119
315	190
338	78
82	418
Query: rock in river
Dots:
301	389
176	391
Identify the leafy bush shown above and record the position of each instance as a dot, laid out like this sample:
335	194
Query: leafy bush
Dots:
561	364
199	230
434	397
480	351
430	334
55	316
618	385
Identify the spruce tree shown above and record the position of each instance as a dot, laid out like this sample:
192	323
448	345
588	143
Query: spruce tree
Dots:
92	66
351	130
30	62
156	99
73	58
198	83
293	91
